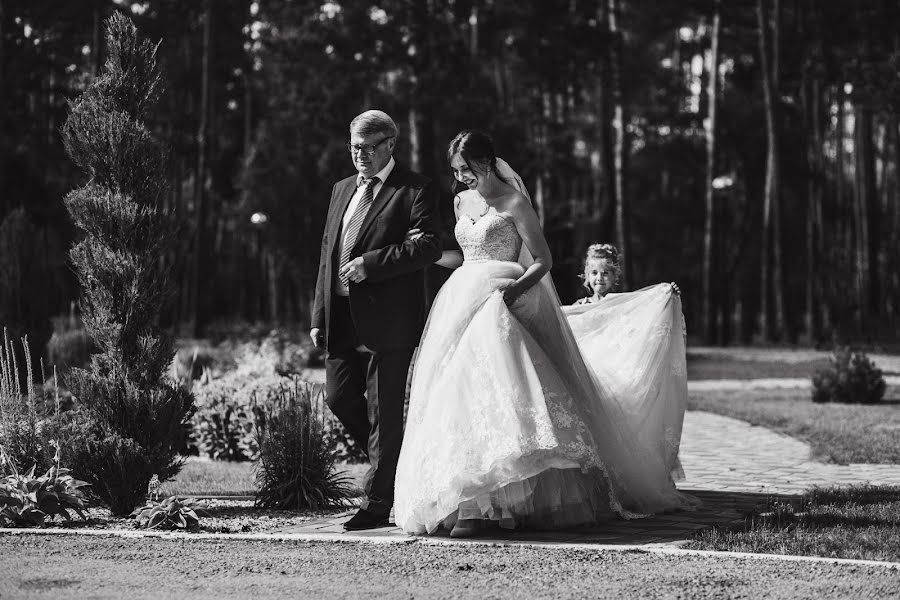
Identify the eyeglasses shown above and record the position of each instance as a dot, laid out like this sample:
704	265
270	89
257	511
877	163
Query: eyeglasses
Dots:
368	149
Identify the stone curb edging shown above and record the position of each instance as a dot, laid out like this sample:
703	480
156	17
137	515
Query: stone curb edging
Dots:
669	548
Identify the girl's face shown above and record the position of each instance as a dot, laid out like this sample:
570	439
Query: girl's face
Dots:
464	174
600	275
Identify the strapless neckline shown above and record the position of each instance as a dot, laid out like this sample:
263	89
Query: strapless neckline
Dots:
492	236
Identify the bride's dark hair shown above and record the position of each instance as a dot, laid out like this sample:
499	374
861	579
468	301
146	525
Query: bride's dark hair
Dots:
477	149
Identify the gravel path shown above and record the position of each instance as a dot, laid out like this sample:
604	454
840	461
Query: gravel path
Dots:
107	567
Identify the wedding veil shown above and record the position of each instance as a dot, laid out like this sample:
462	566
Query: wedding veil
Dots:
509	174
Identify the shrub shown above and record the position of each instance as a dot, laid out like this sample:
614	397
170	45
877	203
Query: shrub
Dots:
230	409
296	459
33	276
852	378
171	513
70	349
228	412
131	417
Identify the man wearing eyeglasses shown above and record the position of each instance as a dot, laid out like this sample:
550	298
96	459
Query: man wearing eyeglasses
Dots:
369	309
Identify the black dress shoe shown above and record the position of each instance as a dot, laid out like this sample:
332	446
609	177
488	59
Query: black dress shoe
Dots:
364	519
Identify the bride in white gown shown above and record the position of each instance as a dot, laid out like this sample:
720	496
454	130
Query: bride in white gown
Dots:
509	419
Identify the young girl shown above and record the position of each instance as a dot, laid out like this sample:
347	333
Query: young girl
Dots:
601	272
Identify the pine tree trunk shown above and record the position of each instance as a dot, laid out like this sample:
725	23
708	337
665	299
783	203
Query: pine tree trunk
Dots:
771	232
712	94
198	288
868	210
619	142
807	103
777	252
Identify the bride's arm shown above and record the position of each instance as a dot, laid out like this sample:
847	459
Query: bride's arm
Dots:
529	229
450	259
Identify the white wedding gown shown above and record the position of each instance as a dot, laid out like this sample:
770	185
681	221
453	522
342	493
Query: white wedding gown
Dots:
515	419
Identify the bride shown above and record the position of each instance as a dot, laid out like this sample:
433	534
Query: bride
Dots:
508	421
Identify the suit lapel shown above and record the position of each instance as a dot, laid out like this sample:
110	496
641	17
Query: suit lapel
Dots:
384	196
344	194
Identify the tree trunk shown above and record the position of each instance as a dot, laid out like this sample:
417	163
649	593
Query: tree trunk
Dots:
198	289
867	211
619	141
808	102
712	93
771	229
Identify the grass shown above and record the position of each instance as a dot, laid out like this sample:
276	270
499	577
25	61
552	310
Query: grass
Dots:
839	433
861	522
701	366
203	477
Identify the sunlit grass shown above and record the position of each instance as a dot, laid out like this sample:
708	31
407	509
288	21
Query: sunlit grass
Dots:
203	477
701	366
861	522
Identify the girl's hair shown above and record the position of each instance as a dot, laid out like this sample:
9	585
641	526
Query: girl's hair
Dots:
477	149
602	251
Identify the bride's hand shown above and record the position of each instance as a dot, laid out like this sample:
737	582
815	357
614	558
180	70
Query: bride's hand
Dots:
511	292
414	234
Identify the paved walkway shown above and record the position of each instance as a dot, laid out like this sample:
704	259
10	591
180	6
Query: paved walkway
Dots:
733	467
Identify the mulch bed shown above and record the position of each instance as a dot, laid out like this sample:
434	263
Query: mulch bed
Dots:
227	516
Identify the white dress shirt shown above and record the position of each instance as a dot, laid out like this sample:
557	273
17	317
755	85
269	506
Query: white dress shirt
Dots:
339	288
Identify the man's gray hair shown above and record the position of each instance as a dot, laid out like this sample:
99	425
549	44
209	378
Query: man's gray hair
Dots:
373	121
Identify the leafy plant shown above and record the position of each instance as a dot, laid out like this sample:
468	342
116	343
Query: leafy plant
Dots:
171	513
296	457
852	378
132	417
26	500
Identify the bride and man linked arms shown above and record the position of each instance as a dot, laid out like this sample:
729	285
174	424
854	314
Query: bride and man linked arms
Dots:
521	412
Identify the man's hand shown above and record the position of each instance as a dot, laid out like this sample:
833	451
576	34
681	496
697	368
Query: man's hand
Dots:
318	338
355	270
413	234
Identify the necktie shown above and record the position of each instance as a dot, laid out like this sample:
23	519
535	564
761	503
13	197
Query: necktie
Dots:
355	223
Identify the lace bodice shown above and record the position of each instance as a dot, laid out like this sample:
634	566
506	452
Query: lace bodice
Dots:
490	237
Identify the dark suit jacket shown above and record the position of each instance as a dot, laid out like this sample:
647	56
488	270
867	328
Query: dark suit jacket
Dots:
388	308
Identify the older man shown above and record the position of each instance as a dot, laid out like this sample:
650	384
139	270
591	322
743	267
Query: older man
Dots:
369	309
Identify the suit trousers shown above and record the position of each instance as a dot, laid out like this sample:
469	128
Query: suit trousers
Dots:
366	391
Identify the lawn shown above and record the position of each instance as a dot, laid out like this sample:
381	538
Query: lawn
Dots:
702	366
860	522
840	433
203	477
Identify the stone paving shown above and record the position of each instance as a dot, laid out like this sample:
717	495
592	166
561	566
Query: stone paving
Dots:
732	466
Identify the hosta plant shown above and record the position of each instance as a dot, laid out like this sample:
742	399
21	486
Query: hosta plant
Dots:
26	500
171	513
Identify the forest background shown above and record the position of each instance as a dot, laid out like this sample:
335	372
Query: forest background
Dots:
748	150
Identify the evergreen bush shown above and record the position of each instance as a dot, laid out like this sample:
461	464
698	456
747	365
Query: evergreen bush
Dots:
131	416
852	378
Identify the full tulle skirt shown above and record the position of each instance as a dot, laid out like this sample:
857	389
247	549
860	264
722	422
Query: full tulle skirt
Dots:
508	422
